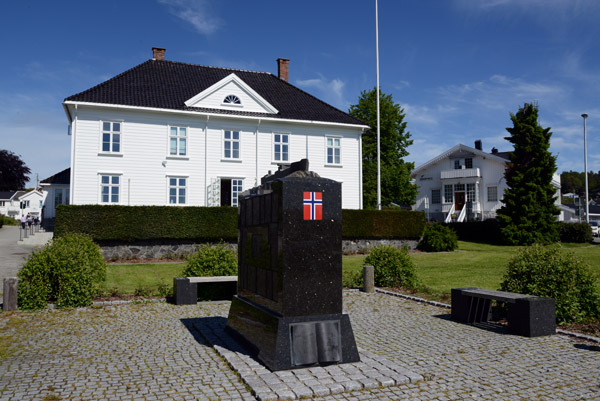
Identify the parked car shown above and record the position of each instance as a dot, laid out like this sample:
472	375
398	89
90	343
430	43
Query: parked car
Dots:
595	228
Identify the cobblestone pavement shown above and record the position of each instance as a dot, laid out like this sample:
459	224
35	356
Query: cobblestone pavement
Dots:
147	351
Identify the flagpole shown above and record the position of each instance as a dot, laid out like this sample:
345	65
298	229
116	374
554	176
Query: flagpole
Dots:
378	120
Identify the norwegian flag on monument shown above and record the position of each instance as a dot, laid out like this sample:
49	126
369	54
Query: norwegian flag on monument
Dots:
313	205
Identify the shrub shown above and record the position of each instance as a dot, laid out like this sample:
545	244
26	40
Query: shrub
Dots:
548	272
438	238
211	260
8	221
575	232
393	267
67	271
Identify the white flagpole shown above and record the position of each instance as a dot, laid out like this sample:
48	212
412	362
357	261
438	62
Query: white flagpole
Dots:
378	123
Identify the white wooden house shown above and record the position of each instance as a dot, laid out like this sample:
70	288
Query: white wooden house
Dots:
169	133
14	204
57	190
464	183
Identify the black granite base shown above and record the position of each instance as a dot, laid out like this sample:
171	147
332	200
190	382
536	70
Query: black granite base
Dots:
532	317
282	343
184	292
527	316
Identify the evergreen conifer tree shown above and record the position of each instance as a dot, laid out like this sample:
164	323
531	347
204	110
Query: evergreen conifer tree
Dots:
528	212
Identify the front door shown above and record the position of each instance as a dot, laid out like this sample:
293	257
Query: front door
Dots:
459	200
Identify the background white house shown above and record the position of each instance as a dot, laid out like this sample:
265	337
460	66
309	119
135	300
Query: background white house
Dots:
168	133
14	204
57	191
464	183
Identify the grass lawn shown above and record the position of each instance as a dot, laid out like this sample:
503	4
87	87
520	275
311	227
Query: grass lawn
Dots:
141	279
472	265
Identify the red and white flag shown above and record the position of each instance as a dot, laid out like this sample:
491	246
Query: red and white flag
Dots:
313	205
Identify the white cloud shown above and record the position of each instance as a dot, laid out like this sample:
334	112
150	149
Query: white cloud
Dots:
196	13
500	92
330	91
419	115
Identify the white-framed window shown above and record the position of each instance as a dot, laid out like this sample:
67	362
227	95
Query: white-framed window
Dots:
492	194
58	197
448	194
281	147
469	162
111	137
232	100
177	190
229	190
470	192
231	145
109	188
236	190
456	164
436	196
177	141
334	150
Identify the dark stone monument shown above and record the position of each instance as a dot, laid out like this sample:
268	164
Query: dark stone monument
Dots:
288	310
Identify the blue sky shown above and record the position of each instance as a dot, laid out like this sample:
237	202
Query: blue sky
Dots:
457	67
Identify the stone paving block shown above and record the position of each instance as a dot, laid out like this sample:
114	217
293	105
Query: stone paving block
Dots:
95	353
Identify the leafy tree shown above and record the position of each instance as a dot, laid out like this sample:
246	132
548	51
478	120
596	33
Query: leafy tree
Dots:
528	210
13	171
572	181
394	140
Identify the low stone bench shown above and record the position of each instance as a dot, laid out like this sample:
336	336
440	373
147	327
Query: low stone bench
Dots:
185	289
528	315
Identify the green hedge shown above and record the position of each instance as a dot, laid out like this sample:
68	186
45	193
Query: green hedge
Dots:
211	224
575	232
382	224
139	223
487	231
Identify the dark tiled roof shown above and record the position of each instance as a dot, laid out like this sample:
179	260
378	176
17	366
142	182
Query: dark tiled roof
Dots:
6	194
594	209
167	85
64	177
504	155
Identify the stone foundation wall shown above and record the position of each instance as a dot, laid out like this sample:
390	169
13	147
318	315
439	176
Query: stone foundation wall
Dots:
178	250
350	247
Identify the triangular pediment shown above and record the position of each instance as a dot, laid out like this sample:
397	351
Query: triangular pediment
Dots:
231	94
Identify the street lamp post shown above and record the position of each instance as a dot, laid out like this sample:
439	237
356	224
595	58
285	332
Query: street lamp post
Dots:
587	205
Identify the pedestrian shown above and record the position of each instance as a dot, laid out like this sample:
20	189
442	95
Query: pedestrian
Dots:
23	221
29	221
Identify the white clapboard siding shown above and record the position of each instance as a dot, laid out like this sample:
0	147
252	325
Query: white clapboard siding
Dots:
144	163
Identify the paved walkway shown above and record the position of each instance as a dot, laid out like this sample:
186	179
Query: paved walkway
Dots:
149	352
12	255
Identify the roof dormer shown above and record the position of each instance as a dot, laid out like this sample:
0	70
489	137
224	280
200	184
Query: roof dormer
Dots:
231	93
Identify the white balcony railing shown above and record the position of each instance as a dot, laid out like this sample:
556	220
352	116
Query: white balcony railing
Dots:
462	173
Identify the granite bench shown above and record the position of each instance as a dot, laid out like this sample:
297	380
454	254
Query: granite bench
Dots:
528	315
185	289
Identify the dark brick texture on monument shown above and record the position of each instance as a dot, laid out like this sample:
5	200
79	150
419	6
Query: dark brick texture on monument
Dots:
288	311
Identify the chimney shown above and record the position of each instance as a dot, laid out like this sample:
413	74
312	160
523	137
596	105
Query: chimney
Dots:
283	69
478	145
158	53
